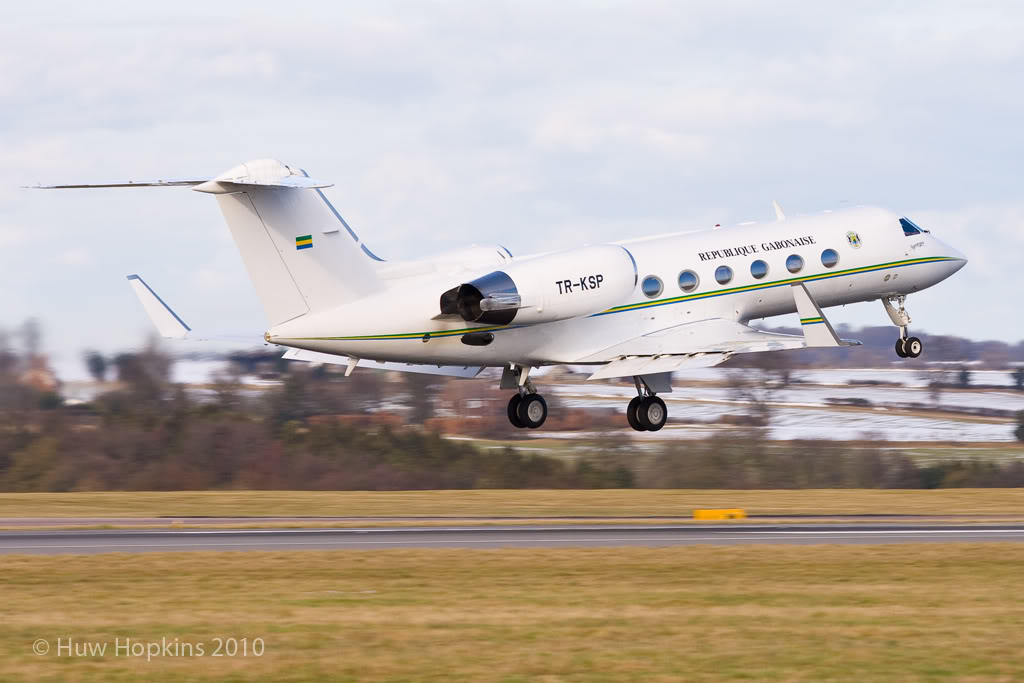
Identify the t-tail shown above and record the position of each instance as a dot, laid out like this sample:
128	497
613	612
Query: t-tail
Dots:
301	255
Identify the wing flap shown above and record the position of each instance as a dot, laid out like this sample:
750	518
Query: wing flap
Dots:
465	372
713	335
700	344
644	365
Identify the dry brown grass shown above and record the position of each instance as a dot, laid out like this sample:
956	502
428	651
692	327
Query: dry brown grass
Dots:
632	503
762	613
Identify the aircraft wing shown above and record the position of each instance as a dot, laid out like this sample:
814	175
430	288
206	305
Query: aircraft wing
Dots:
170	325
465	372
700	344
705	343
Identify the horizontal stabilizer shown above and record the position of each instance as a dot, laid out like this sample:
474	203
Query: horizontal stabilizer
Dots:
295	182
465	372
199	184
180	182
258	173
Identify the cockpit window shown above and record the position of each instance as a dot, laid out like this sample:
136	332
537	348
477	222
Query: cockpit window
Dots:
910	227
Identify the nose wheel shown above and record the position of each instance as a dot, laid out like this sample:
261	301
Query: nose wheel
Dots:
909	347
646	412
906	347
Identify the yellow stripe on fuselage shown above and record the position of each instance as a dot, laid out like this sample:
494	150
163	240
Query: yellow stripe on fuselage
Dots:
768	285
643	304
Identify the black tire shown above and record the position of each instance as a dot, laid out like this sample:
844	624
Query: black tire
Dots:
631	417
913	347
652	413
901	350
513	411
532	411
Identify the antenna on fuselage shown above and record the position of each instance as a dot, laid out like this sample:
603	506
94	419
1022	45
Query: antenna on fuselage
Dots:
779	216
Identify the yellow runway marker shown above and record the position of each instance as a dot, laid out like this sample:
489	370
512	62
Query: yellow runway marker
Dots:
713	515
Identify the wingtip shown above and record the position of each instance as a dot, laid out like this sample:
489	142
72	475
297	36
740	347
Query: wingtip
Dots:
134	277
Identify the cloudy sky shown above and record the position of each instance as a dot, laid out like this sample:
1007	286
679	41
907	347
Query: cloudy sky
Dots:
532	124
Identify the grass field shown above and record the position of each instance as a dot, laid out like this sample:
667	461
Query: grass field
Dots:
754	613
633	503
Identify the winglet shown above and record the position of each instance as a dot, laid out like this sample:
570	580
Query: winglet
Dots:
817	329
167	322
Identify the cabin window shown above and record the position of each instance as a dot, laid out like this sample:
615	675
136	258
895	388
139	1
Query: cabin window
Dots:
723	274
829	258
758	269
652	286
688	280
794	263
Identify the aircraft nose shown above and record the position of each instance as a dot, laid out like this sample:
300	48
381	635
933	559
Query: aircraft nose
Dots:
956	257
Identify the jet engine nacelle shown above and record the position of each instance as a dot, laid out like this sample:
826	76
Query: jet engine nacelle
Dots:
565	284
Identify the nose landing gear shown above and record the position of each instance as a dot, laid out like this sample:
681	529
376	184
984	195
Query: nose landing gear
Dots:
906	347
646	412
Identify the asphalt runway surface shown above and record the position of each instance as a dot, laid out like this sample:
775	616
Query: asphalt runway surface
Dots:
138	540
199	521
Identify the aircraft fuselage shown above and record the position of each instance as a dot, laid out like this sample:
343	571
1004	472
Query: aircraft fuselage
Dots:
842	257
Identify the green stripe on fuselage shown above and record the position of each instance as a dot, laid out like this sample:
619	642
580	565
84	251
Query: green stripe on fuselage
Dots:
768	285
643	304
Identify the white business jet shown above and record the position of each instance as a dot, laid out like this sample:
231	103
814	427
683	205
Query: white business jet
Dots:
640	308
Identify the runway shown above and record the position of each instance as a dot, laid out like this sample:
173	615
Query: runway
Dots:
136	540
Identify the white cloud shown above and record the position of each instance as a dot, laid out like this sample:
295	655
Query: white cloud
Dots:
74	257
526	124
207	278
13	237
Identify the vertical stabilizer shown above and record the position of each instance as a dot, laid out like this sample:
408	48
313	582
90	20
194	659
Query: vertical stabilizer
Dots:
300	254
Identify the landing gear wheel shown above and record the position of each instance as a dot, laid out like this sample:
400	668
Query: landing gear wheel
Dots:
652	413
513	411
913	347
901	347
631	417
532	411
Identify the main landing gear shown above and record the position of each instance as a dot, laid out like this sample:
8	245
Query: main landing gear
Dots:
646	412
906	347
526	409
